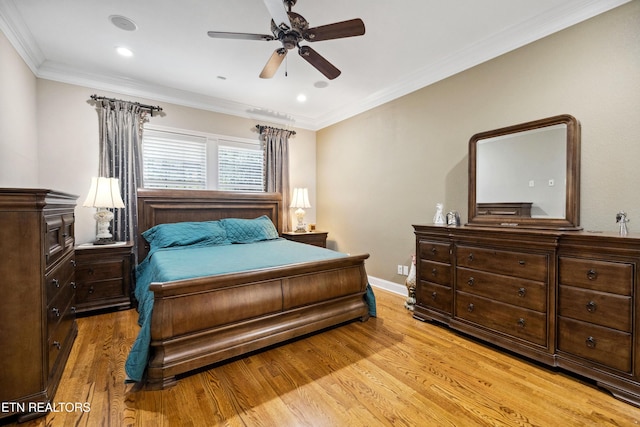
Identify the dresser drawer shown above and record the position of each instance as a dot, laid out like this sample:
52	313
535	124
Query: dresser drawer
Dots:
56	308
606	346
511	290
518	322
517	264
605	309
57	340
434	296
615	277
59	236
436	272
58	277
435	251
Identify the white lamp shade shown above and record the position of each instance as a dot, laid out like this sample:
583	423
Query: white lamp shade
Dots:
104	193
300	198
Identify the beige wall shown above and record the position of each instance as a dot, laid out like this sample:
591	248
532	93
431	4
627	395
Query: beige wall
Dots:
384	170
68	135
18	138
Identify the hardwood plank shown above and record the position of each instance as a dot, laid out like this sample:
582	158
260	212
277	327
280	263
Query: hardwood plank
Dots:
390	370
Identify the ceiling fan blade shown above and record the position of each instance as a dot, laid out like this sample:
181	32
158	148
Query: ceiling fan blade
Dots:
278	13
351	28
321	64
273	63
239	36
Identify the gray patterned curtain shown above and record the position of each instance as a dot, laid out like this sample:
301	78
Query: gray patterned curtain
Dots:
121	157
276	149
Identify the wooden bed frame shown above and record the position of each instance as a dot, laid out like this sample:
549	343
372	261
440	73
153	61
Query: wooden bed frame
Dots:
198	322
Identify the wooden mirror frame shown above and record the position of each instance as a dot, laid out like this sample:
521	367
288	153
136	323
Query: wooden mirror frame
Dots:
571	221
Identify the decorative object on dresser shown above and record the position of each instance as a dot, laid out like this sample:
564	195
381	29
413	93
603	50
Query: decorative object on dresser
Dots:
103	276
300	200
316	238
36	309
104	194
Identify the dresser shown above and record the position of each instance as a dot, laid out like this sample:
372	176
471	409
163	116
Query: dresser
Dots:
567	299
37	305
103	276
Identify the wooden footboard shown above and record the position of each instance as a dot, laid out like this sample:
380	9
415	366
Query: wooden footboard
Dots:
199	322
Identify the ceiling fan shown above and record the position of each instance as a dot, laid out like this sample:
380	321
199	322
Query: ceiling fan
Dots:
290	29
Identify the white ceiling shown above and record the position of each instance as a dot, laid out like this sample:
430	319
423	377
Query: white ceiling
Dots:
408	44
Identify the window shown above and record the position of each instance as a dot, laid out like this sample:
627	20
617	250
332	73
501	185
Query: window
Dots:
191	160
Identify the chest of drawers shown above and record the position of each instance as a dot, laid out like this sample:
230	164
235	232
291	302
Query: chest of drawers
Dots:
37	311
566	299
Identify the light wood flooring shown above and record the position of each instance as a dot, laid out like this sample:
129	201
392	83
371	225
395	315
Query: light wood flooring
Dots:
390	370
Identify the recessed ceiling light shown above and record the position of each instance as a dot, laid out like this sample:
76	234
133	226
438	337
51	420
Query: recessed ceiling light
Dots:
124	51
302	97
221	78
123	23
321	84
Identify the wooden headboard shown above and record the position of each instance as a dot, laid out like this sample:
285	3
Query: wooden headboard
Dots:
169	206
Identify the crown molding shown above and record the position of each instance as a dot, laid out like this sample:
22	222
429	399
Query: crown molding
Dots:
517	35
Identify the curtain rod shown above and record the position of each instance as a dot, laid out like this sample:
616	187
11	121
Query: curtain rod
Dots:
260	127
151	108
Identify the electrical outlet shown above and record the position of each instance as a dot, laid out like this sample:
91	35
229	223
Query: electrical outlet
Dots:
399	269
405	270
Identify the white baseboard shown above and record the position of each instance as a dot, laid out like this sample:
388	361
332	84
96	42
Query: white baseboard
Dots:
388	286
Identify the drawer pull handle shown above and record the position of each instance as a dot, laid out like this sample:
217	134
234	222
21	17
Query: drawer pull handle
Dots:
56	283
434	250
521	262
470	256
55	311
434	294
57	345
521	322
90	272
470	308
592	274
590	342
73	262
522	292
73	308
434	272
91	290
471	281
592	306
73	285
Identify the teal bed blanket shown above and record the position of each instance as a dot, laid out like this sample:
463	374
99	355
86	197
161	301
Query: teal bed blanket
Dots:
187	250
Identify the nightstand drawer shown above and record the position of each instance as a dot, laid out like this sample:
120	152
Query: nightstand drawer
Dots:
89	291
100	270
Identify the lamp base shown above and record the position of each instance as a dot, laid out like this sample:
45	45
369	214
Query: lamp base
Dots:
104	241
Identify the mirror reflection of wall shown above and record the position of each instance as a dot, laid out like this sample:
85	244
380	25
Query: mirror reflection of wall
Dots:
525	167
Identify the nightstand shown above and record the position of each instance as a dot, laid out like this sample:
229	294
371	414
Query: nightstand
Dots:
103	276
316	238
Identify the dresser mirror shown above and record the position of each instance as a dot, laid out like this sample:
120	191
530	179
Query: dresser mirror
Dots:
526	175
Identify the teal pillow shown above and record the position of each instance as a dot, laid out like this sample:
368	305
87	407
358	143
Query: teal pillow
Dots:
249	230
206	233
